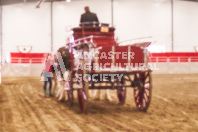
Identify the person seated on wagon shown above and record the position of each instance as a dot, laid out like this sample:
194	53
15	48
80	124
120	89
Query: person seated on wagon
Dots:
88	18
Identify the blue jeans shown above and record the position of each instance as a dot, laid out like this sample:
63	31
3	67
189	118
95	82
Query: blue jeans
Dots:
47	78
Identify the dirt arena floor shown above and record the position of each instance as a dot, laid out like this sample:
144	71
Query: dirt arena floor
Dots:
174	107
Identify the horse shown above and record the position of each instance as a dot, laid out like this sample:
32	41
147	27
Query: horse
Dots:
70	61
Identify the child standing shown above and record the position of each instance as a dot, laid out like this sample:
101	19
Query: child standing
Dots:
47	74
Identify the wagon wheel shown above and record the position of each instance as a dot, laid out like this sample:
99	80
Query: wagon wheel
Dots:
82	91
143	91
70	97
70	94
82	99
121	93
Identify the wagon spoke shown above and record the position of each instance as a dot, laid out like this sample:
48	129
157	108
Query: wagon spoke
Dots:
146	93
145	97
136	95
147	81
144	103
147	75
135	89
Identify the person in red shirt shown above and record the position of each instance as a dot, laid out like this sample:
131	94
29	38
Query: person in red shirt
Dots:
47	74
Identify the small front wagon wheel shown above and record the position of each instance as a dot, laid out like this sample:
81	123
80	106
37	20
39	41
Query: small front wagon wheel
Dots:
82	100
70	97
121	93
69	91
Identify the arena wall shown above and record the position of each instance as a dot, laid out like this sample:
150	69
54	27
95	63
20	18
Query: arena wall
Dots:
154	18
176	68
12	70
185	25
24	25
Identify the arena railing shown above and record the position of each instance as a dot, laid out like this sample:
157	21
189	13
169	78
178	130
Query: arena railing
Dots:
150	60
173	59
28	60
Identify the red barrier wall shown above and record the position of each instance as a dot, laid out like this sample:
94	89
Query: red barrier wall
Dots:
173	57
153	57
27	57
172	54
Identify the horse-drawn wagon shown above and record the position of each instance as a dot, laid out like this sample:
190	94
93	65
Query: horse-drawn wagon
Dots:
100	62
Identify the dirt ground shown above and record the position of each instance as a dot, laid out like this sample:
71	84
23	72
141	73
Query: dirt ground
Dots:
174	107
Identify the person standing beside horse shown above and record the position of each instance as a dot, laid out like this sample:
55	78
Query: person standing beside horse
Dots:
47	74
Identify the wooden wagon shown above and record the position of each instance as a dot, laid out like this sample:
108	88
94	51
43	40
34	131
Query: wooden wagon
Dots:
123	67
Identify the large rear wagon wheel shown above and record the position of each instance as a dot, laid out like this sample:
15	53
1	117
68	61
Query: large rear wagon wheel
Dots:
143	91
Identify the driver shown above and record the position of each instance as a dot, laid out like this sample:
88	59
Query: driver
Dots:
88	18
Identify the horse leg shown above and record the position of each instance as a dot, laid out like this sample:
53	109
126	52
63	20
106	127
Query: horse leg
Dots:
107	95
55	84
97	94
61	93
58	90
90	94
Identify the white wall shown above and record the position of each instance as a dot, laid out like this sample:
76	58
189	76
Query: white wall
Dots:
27	70
24	25
176	68
185	25
141	18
